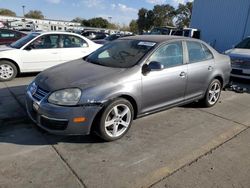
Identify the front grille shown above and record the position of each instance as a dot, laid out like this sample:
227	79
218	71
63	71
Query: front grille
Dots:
241	63
53	124
239	72
40	94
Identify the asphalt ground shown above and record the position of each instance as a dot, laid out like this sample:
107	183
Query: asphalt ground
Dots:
186	146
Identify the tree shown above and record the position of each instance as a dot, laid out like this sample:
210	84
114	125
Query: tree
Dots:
36	14
150	20
113	26
85	23
183	14
133	26
77	19
7	12
163	15
98	22
142	20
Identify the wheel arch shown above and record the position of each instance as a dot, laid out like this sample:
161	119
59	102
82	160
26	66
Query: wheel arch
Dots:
12	61
132	101
220	78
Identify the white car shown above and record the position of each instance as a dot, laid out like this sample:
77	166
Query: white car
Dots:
240	59
39	51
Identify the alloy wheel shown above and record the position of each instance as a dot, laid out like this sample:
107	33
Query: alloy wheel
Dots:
118	120
6	71
214	93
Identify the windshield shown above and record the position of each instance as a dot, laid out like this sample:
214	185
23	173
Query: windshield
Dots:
19	43
121	53
244	44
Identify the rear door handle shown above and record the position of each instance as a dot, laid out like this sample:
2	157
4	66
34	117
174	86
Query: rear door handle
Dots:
54	52
182	74
210	68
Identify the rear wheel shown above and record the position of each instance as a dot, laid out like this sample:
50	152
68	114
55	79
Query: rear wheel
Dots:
115	120
8	71
213	93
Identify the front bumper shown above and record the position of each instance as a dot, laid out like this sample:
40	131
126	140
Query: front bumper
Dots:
59	119
240	72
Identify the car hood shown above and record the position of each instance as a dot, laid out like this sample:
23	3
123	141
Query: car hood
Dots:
76	73
238	52
5	48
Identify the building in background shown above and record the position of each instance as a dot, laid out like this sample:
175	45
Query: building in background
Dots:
223	23
38	24
30	24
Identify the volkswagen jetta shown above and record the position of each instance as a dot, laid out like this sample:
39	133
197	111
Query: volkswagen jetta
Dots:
123	80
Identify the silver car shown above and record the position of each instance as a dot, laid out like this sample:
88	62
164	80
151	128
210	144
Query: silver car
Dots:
124	80
240	59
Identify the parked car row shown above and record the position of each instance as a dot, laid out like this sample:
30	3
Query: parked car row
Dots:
38	51
94	35
110	38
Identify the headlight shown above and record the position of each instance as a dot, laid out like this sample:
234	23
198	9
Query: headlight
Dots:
65	97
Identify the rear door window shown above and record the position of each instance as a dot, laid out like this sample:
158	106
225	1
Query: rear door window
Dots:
71	41
198	52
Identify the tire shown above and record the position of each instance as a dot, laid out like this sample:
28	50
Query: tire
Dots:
8	71
212	94
115	120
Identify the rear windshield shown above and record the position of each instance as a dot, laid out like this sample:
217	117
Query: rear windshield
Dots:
245	44
121	53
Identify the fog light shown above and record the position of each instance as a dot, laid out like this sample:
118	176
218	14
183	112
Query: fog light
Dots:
79	119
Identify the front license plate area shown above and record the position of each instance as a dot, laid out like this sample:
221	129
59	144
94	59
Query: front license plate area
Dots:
246	71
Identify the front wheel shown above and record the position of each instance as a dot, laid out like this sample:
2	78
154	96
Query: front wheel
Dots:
212	94
8	71
115	120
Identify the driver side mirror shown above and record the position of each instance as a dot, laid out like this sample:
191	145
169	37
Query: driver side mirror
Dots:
29	47
152	66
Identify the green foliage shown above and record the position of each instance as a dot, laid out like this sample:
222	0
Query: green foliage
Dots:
164	15
98	22
184	13
142	20
7	12
133	26
95	22
36	14
77	19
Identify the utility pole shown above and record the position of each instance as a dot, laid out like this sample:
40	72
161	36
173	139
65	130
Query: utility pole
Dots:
110	19
23	10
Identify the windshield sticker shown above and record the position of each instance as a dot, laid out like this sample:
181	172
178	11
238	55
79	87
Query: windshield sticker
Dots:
146	43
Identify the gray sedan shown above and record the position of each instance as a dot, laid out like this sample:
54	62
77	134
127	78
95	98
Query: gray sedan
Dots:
124	80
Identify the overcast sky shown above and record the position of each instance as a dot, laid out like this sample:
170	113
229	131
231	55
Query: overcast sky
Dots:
121	11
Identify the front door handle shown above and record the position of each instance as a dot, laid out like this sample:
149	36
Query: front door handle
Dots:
210	68
182	74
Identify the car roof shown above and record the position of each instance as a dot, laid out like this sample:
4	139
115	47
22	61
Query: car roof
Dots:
5	29
57	32
153	38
